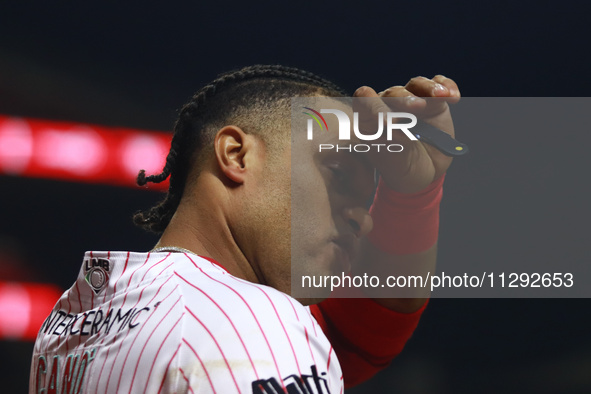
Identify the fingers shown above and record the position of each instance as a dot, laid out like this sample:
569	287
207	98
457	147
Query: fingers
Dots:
425	87
365	91
424	96
408	100
368	107
421	96
439	86
449	83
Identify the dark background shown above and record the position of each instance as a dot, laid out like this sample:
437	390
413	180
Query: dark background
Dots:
134	65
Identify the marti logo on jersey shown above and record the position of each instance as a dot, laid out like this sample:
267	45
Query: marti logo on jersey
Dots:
345	130
303	384
97	273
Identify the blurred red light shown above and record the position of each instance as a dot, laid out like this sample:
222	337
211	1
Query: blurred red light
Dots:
24	307
79	152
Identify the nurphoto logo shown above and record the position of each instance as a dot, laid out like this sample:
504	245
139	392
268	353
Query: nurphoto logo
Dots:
344	131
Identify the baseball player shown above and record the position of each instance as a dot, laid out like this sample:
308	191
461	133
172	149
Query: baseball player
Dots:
207	310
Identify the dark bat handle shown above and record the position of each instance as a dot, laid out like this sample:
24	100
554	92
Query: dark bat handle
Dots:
439	139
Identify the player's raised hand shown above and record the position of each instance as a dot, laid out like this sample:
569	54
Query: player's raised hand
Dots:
418	164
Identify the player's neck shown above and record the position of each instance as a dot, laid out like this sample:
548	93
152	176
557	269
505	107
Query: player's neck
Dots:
205	233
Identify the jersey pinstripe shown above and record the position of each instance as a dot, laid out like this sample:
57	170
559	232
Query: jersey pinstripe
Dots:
178	323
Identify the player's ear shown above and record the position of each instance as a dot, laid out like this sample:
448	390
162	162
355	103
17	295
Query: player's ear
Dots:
234	150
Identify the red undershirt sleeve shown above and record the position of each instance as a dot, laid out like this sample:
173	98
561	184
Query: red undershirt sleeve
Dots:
365	335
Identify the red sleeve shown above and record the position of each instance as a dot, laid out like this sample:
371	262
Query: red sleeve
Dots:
365	335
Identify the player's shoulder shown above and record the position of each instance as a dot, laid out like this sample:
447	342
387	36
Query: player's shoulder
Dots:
255	335
202	286
204	278
209	289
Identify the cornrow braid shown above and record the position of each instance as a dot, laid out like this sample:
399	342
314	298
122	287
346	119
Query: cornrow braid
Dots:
142	179
259	82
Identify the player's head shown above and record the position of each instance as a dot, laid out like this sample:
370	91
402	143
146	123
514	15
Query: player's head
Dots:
256	98
230	154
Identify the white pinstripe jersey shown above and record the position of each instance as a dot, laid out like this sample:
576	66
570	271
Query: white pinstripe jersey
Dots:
176	323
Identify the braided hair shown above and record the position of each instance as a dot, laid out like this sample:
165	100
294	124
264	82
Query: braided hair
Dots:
233	95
